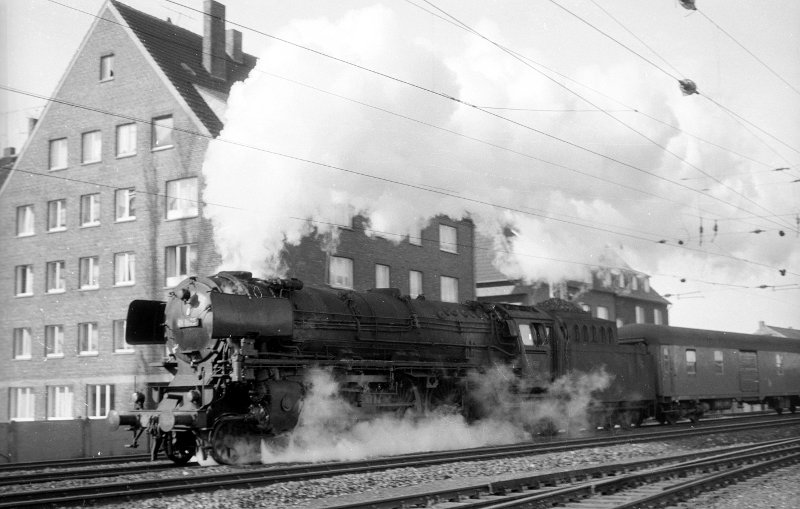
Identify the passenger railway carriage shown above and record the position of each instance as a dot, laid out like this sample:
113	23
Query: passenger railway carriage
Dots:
699	370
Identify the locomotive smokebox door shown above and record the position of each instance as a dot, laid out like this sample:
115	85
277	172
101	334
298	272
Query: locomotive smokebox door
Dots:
145	323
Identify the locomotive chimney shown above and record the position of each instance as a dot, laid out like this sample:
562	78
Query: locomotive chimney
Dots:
214	58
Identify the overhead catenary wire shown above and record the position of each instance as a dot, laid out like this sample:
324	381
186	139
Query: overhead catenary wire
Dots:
478	201
654	142
491	113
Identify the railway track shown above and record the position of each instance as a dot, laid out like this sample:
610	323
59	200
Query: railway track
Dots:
36	494
650	483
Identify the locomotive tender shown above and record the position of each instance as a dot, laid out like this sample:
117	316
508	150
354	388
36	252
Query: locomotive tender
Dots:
241	348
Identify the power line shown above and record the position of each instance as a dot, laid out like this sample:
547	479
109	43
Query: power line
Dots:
477	201
514	122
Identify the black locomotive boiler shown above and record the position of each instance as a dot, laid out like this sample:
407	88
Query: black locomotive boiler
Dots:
241	349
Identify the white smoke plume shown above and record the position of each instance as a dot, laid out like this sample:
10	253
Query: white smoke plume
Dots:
330	429
298	108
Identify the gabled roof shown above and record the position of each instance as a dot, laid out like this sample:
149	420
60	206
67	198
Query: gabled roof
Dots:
781	331
179	54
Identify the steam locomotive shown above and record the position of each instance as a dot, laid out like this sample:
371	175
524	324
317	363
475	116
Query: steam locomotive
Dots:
241	349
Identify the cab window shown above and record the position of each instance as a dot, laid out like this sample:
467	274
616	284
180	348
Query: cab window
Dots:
525	334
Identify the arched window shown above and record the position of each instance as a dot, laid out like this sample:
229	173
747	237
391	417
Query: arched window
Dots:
576	333
603	335
585	334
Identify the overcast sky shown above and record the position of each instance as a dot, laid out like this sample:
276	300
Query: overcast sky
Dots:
536	120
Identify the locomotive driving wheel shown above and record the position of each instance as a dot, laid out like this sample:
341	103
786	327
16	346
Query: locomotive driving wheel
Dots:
233	442
180	447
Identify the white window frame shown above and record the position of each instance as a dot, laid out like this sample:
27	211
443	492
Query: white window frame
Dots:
448	239
107	67
99	397
54	341
639	310
340	272
415	237
22	404
54	277
23	343
182	198
88	339
23	280
26	221
658	316
124	209
89	273
414	283
91	147
691	361
382	276
449	289
90	210
120	345
180	263
57	159
126	138
162	135
125	268
59	402
57	215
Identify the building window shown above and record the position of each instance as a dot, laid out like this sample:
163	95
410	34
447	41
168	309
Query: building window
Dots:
646	284
58	154
22	343
90	209
23	280
448	239
414	283
106	67
124	269
54	340
341	272
621	280
691	362
55	277
124	209
342	216
449	289
91	147
21	404
620	322
162	132
120	345
88	338
181	262
25	221
126	140
89	273
639	314
778	364
634	283
719	366
57	215
381	276
59	402
658	317
99	400
415	237
182	198
602	312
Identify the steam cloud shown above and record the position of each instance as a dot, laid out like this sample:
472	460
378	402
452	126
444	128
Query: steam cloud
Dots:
311	108
329	429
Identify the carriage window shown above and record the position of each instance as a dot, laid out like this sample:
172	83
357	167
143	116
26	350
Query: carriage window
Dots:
718	362
525	333
779	363
691	362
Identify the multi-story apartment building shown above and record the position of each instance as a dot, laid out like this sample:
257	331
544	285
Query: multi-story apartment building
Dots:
612	290
103	207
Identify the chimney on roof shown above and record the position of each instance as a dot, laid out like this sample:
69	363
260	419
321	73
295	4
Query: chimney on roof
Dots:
233	45
214	59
